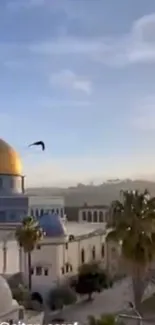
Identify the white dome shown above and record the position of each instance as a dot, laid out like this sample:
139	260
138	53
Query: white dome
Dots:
5	296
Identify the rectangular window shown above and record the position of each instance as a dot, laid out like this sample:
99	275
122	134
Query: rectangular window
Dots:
38	270
46	272
3	216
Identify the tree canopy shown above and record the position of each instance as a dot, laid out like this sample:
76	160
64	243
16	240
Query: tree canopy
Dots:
91	278
61	296
134	228
28	235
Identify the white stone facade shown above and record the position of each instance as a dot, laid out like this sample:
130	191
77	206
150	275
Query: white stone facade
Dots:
57	259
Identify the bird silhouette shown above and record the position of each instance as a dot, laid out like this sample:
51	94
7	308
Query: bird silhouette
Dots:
38	143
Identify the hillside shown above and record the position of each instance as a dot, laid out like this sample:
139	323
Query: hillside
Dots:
94	195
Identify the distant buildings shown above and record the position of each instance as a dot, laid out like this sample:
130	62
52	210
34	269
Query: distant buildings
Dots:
93	214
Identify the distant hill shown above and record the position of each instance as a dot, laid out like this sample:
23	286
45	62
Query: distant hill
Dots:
94	195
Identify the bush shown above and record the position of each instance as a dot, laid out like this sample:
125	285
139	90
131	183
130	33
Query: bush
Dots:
21	294
104	320
91	279
61	296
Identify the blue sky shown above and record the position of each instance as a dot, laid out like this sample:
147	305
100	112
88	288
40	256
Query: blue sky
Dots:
79	74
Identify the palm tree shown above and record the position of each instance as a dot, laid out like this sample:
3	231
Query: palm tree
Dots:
104	320
134	228
28	235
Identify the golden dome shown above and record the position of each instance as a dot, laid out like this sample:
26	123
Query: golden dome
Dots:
10	163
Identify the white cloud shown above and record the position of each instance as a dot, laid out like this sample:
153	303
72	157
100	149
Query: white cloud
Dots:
68	79
136	46
144	114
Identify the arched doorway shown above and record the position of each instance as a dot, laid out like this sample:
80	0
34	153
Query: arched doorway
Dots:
95	216
84	216
89	216
37	297
101	216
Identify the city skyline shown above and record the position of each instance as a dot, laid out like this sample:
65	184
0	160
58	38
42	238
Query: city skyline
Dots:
79	76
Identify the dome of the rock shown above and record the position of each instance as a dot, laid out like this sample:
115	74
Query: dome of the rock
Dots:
10	163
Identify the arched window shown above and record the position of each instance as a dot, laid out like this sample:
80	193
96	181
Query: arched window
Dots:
95	216
82	256
32	214
84	216
93	253
102	250
67	267
101	216
37	297
89	216
57	211
37	213
41	212
53	211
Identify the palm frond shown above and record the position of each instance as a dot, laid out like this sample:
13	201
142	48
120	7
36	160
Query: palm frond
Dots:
29	234
135	225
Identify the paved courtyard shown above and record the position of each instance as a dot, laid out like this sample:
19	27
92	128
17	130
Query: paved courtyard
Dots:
114	300
109	301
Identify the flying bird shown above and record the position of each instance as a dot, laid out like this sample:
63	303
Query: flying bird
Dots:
38	143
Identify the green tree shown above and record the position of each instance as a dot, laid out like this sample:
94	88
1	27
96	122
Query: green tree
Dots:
134	229
104	320
21	294
91	278
61	296
28	235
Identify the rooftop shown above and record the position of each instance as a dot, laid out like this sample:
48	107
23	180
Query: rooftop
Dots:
83	228
76	229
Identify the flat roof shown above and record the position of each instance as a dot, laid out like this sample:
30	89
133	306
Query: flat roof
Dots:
76	229
83	228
